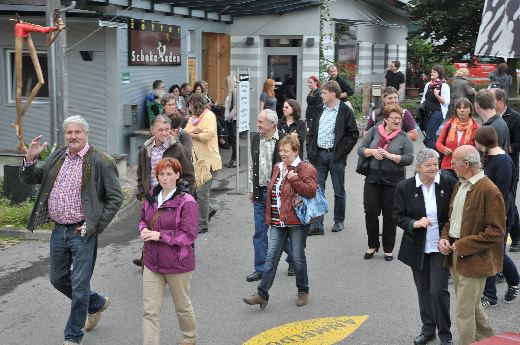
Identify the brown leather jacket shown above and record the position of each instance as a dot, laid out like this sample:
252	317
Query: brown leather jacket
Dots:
480	249
304	184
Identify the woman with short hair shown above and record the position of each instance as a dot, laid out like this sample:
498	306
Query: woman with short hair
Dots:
421	208
168	227
389	150
291	177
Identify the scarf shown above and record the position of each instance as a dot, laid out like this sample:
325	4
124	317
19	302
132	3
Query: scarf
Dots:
385	139
456	126
436	83
196	119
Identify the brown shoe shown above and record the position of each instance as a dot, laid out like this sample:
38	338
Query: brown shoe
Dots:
303	298
255	299
187	342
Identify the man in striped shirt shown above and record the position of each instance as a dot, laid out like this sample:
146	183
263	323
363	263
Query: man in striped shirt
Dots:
80	192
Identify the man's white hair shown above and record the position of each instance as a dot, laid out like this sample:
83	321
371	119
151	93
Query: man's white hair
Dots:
270	115
75	120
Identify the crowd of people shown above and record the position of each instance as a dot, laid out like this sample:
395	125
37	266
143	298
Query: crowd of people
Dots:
456	212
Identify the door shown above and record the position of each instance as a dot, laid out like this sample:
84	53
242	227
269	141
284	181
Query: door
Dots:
216	63
284	70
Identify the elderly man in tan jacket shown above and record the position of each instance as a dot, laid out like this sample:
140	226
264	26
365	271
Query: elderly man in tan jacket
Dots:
473	240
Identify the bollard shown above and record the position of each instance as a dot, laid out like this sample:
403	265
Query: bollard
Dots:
14	189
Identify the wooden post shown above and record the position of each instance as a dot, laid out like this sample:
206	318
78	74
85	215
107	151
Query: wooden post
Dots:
366	98
57	78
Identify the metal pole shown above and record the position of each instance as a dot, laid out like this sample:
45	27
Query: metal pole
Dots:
53	97
237	140
249	126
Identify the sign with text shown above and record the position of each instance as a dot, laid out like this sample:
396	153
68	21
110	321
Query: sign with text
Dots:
243	102
153	44
192	69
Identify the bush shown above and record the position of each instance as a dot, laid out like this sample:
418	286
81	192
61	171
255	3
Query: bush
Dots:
357	103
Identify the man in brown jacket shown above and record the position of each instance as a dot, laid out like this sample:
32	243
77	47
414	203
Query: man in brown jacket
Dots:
473	240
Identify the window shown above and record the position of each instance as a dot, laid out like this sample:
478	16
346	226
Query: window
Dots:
385	61
282	42
191	41
397	52
29	75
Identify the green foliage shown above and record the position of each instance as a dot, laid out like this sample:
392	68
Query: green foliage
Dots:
357	102
14	215
411	105
422	57
455	24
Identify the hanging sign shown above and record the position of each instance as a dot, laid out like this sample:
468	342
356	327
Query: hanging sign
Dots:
153	44
243	102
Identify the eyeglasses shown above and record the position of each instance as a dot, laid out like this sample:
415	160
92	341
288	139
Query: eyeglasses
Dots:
395	118
457	163
286	107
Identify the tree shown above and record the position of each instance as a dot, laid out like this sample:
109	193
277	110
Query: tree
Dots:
453	26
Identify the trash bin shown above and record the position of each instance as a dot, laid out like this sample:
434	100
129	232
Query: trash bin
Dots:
14	189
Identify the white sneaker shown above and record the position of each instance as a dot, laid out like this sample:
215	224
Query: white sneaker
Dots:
93	319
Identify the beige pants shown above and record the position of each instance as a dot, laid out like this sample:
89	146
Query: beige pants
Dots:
153	288
472	322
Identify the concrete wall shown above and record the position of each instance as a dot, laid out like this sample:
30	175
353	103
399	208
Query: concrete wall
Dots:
300	25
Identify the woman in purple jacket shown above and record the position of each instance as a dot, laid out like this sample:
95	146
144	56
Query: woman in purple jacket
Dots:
169	226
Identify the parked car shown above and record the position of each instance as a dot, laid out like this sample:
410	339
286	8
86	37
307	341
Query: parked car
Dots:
480	67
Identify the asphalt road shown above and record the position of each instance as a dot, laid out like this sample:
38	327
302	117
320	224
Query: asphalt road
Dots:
341	283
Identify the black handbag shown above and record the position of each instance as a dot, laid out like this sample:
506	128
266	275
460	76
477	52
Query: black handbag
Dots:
363	163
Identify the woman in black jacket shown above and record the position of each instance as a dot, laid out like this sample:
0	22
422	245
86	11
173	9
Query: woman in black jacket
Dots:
421	209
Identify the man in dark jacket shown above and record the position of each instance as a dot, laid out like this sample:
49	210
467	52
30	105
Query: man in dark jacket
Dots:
80	192
161	144
333	135
346	89
264	155
512	119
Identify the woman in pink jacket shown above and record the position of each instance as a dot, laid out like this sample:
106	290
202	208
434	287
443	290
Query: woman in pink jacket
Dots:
169	226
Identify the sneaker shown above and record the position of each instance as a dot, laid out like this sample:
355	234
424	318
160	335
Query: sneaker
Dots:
315	231
302	299
500	278
515	247
511	294
231	164
94	318
68	342
488	302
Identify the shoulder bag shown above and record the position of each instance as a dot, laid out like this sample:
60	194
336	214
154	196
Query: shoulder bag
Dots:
202	171
363	164
310	210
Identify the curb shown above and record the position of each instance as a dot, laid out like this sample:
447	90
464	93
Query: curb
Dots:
45	235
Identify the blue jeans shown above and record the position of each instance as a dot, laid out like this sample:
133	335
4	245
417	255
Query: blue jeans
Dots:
324	165
67	248
260	241
279	235
433	122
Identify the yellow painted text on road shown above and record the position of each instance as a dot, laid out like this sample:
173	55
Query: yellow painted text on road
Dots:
323	331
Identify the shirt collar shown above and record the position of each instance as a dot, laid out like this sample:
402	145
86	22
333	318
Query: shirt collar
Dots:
491	119
275	136
336	107
418	181
81	153
293	164
504	113
473	180
164	145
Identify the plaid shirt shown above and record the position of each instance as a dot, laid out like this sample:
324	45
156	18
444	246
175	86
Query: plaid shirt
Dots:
327	126
157	153
65	198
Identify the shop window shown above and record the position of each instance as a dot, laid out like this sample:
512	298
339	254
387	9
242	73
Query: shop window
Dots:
29	76
283	42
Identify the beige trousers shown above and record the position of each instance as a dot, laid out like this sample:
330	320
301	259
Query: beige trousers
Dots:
153	288
472	322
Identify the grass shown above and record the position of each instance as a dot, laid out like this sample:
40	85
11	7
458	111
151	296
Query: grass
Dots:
8	241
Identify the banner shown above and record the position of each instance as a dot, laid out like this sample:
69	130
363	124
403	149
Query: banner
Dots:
499	33
153	44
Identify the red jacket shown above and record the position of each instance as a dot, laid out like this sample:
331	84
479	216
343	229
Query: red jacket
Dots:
443	142
304	184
